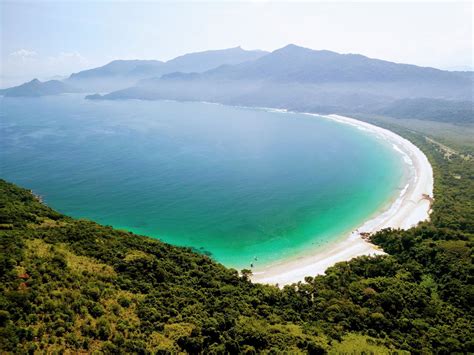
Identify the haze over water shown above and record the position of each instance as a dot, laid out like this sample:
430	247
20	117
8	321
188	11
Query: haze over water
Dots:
234	182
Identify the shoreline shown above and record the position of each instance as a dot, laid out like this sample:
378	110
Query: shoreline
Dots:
411	207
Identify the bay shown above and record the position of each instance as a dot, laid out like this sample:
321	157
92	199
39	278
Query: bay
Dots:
239	184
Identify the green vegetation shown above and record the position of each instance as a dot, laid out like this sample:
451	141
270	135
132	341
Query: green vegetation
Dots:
457	112
74	285
456	135
361	344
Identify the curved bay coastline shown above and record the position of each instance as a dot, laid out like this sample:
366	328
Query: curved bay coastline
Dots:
403	211
411	207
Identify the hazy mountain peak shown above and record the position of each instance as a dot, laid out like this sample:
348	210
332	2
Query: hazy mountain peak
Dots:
224	55
293	48
296	54
124	73
36	87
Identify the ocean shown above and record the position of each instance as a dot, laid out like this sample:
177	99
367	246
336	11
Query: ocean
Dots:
243	185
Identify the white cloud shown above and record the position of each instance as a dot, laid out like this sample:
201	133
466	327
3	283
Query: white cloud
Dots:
23	54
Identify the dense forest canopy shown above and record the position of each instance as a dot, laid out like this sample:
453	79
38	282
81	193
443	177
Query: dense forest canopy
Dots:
74	285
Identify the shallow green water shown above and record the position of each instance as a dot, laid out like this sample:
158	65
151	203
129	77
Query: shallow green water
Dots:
238	183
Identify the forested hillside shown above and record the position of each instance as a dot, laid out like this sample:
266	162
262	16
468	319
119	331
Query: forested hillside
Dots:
74	285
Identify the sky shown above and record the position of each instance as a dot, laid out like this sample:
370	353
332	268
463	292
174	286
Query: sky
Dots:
49	39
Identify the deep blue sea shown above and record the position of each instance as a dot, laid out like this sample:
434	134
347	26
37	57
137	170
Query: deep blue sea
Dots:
237	183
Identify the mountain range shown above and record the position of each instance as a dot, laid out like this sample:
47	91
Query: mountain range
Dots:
125	73
291	77
120	74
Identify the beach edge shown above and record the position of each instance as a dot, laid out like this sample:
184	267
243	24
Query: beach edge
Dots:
410	208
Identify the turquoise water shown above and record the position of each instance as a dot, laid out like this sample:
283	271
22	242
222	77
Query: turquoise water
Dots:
233	182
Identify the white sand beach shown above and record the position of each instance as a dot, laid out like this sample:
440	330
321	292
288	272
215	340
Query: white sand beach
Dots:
412	207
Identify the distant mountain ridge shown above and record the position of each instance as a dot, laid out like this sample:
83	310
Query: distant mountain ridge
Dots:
124	73
291	77
302	79
298	64
36	88
120	74
119	67
207	60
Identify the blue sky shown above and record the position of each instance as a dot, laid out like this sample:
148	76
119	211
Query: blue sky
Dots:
43	39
